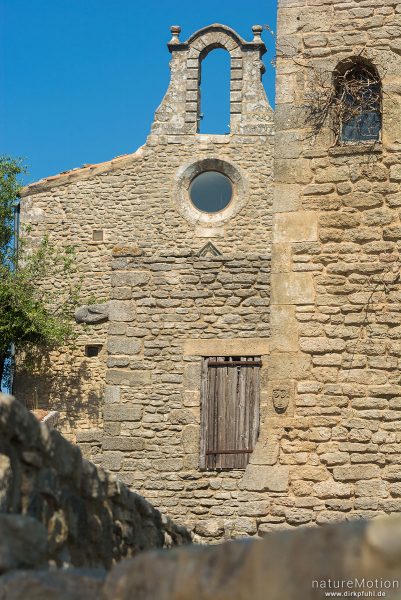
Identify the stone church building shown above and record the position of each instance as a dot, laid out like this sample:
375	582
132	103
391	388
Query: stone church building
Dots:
238	359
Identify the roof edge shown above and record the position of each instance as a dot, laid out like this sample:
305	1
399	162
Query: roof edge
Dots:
80	173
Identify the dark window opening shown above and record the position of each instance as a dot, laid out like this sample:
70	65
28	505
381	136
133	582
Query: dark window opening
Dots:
97	235
211	191
92	350
229	411
214	93
359	101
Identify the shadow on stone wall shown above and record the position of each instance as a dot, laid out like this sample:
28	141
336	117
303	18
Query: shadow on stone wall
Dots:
69	387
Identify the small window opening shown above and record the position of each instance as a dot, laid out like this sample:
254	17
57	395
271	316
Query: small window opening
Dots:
92	350
211	191
214	93
97	235
359	101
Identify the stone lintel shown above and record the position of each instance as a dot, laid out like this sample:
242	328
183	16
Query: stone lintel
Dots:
227	347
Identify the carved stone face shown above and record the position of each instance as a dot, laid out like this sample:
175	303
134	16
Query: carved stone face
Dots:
281	398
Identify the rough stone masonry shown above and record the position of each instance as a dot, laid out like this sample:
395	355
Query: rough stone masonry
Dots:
292	274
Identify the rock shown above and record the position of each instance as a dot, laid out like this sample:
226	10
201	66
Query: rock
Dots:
23	542
286	565
92	313
122	345
5	481
69	584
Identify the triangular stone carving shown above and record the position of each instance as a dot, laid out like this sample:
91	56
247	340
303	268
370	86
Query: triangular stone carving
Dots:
209	248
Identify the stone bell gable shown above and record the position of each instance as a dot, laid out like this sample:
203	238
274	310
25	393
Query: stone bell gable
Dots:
250	112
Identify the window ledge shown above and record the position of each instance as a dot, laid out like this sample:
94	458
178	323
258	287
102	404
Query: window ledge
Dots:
350	149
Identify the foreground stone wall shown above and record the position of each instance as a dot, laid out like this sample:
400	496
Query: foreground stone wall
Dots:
353	560
87	516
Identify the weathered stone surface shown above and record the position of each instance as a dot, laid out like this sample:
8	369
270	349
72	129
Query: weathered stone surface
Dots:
123	345
72	584
5	481
92	313
79	514
272	569
264	478
23	542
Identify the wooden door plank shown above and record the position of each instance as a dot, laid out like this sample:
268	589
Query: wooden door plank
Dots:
212	417
204	406
221	376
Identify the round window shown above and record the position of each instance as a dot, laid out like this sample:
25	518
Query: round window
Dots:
211	191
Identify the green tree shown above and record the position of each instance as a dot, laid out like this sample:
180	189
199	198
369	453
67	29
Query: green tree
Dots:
34	314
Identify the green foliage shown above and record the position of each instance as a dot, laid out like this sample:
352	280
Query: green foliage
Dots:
35	312
10	169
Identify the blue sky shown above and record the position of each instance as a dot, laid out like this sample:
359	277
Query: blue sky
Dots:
80	79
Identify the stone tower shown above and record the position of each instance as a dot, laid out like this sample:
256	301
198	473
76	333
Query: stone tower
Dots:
335	310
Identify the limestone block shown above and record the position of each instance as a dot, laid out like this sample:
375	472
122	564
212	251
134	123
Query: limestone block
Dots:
332	489
286	197
121	311
23	542
226	347
212	528
356	472
281	258
129	278
182	416
122	443
321	345
310	473
259	478
112	394
92	313
300	226
284	329
112	460
190	439
71	584
191	377
128	378
123	345
292	288
266	452
288	365
395	173
122	413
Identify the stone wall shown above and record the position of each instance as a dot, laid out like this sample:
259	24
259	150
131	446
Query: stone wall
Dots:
179	284
78	514
335	239
349	560
177	308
